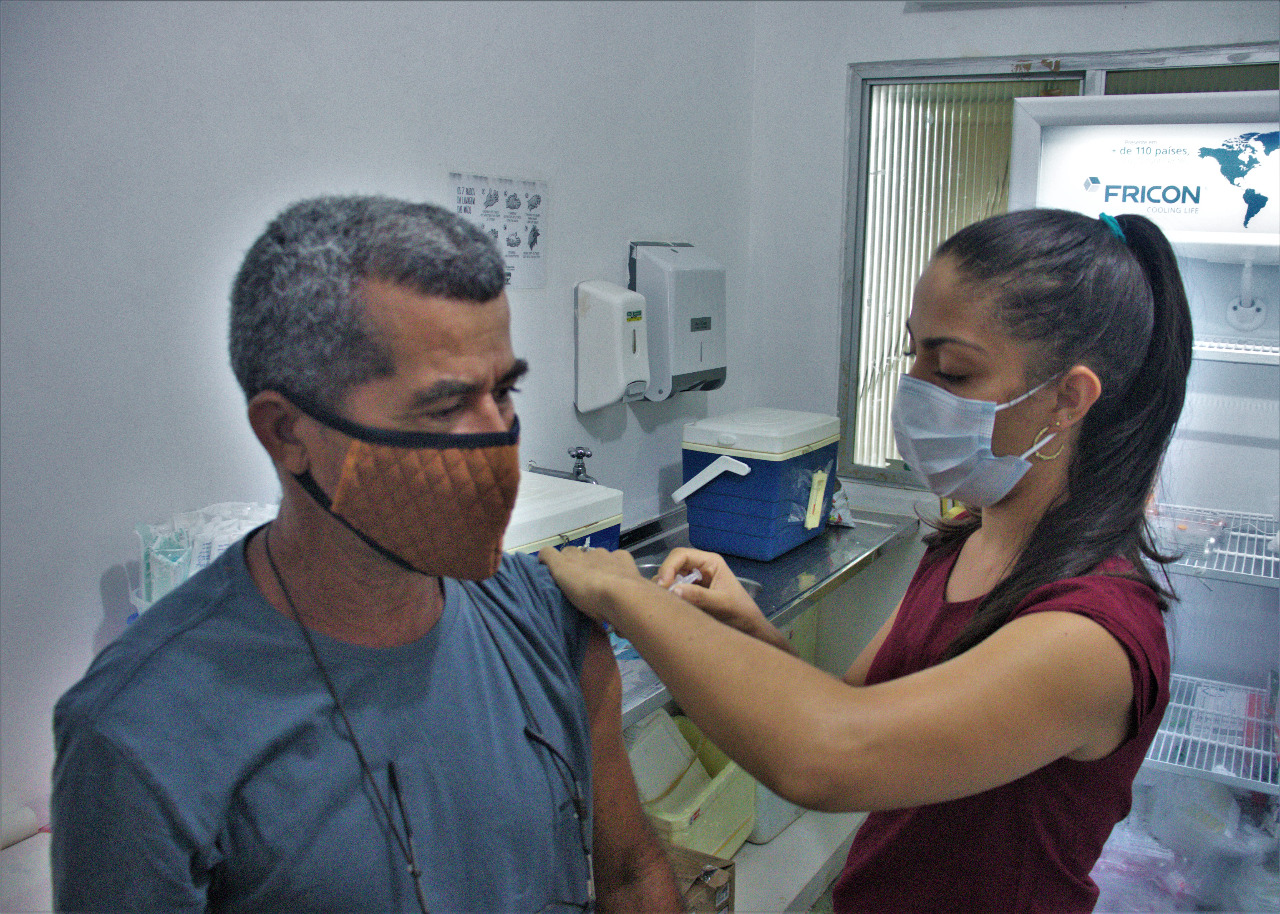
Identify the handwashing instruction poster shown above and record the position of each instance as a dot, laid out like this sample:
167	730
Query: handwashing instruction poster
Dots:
1183	177
514	213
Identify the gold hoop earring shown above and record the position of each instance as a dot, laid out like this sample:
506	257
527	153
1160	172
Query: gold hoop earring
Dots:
1040	436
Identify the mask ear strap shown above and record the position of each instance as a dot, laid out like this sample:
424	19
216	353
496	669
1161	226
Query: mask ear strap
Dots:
1016	400
398	438
312	488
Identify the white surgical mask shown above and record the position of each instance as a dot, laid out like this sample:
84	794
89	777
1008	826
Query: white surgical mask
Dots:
946	442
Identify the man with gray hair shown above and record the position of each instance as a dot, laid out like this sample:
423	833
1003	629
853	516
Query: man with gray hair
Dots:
364	705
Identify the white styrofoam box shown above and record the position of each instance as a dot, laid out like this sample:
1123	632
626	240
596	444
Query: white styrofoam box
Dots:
767	434
773	814
553	511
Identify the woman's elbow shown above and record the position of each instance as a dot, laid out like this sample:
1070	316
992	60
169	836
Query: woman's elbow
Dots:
830	773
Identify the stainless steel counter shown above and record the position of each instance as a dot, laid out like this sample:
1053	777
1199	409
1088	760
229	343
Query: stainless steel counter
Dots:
788	585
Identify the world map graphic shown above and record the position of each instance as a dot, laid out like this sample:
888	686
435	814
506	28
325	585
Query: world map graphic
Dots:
1239	156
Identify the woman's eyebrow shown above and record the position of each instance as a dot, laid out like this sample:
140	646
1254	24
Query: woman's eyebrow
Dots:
933	342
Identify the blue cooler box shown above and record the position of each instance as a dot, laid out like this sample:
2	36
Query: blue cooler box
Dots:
784	497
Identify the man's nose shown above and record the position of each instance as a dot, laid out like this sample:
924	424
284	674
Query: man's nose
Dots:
487	415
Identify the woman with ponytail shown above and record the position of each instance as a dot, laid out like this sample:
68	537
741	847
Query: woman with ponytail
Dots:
994	725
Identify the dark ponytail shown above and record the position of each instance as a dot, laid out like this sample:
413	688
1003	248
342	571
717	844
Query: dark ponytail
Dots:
1082	294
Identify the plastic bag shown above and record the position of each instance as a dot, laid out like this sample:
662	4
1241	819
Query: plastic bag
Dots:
175	549
1136	873
841	509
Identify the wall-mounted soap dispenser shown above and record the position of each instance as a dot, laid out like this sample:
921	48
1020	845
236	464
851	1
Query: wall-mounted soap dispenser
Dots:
612	361
684	291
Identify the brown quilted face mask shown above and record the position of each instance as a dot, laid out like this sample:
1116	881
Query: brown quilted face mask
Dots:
432	503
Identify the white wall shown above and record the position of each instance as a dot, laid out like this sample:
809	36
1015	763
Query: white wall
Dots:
145	145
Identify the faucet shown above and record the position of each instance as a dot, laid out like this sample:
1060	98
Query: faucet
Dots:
577	474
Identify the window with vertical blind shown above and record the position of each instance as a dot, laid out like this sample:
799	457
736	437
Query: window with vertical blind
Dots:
937	160
929	154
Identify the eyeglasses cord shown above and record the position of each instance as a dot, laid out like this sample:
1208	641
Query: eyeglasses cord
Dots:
393	781
561	764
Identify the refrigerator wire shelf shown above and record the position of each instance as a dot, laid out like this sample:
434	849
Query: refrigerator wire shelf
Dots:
1229	545
1222	732
1235	349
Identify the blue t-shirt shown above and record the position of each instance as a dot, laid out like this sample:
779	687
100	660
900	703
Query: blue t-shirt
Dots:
201	763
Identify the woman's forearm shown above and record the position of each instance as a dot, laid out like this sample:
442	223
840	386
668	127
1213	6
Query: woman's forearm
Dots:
772	712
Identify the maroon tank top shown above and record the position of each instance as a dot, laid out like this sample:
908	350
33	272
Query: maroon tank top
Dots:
1029	845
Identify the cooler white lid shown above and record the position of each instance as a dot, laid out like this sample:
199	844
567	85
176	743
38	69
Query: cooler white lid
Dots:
764	430
547	506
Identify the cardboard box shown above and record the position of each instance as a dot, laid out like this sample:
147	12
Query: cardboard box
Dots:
705	882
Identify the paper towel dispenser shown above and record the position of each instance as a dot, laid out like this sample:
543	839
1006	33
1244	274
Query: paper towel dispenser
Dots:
684	291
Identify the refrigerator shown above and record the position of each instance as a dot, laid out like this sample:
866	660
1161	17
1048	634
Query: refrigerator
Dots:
1205	168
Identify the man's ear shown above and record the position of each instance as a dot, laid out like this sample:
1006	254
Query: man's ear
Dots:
275	421
1078	390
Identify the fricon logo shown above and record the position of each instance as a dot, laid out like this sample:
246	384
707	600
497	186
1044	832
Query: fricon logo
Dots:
1153	193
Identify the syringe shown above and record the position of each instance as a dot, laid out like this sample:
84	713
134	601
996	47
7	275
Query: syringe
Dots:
692	577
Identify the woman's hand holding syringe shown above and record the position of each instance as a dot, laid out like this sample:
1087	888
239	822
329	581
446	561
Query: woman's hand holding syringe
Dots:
595	579
717	592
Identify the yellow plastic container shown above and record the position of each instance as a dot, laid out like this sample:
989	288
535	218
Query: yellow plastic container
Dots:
711	806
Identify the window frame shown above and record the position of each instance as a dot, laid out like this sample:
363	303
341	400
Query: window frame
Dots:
1090	69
